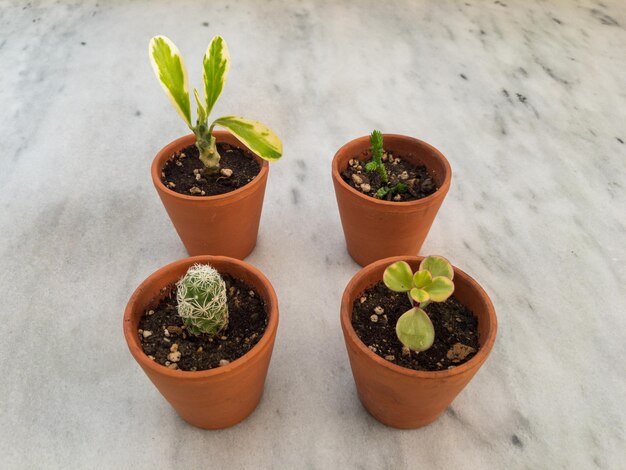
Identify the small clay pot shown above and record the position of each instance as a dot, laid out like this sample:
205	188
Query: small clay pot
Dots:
376	229
226	224
215	398
406	398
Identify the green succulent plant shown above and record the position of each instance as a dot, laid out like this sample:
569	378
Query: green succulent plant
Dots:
431	283
201	298
170	70
376	147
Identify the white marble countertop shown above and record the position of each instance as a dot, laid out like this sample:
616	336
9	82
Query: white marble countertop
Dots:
526	99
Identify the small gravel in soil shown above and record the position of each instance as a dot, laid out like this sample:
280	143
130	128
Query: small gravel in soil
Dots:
185	173
165	339
419	182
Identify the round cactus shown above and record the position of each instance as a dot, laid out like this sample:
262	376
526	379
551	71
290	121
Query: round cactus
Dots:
201	296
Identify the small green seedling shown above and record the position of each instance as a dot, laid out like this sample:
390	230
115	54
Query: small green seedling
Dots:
201	297
431	283
376	147
376	143
169	68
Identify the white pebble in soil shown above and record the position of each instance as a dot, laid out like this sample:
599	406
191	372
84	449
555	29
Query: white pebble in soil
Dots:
174	356
357	179
379	310
227	172
224	362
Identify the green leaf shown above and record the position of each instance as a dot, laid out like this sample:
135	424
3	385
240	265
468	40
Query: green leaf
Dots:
419	295
438	266
440	288
381	193
422	278
371	166
202	115
215	66
399	188
256	136
398	277
415	330
169	68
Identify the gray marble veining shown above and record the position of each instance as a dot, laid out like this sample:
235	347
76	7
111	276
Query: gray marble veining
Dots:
526	99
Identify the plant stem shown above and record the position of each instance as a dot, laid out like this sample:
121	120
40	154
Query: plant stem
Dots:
205	142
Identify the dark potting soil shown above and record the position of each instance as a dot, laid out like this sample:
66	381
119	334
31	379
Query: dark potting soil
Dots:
456	330
160	328
419	183
184	172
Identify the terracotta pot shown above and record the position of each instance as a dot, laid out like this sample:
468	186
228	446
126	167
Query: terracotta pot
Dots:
376	229
215	398
226	224
405	398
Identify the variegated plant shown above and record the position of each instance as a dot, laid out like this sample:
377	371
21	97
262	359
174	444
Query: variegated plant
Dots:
431	283
169	67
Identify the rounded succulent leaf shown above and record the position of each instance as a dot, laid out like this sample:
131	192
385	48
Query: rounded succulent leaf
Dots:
438	266
398	277
422	278
415	330
419	295
440	289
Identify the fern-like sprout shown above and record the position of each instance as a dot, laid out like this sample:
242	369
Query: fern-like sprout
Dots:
376	142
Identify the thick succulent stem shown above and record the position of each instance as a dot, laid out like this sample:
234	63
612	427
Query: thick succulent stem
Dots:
205	142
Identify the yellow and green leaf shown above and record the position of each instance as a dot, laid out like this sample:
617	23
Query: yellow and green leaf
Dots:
415	330
202	114
419	295
422	278
398	277
437	266
440	289
169	68
215	67
255	135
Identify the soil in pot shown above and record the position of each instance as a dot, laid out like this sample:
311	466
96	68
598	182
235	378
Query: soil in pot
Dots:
184	172
415	181
374	317
166	341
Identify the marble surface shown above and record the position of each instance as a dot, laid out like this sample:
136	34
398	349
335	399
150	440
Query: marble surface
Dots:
527	100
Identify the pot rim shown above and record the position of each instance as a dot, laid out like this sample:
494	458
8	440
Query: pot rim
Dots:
476	361
442	190
142	358
186	140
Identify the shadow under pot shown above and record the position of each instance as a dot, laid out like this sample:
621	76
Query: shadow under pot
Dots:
222	396
398	396
375	228
224	224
